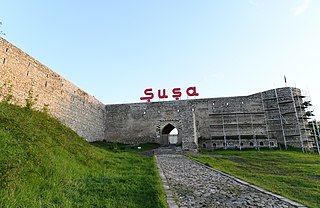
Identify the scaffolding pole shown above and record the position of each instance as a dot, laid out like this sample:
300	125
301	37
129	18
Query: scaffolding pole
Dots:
317	140
281	123
253	132
224	132
315	137
266	120
297	117
238	131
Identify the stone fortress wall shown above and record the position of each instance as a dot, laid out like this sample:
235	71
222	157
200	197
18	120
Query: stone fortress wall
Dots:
72	106
151	122
264	119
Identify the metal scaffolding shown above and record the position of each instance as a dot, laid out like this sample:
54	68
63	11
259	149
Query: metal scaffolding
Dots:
275	120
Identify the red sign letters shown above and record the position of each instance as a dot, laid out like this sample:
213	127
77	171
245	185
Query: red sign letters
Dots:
176	93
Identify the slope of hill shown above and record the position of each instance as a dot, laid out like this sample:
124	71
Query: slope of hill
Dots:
45	164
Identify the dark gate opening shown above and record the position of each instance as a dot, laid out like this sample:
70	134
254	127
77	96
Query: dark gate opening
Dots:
170	135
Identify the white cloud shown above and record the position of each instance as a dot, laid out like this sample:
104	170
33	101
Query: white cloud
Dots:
302	7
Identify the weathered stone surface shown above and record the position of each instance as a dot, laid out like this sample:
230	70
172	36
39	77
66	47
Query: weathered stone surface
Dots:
196	185
72	106
260	120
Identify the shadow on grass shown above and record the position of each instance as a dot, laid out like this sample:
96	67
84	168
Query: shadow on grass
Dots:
118	147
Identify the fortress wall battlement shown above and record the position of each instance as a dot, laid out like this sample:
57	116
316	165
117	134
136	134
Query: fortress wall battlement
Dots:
264	119
72	106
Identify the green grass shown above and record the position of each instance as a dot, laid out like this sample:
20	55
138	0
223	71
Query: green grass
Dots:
292	174
45	164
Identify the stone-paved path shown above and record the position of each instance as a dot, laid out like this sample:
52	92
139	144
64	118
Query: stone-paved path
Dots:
196	185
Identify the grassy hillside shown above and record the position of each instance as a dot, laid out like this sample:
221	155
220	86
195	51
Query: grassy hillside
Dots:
45	164
292	174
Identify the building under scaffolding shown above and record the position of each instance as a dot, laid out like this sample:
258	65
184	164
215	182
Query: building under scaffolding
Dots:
270	119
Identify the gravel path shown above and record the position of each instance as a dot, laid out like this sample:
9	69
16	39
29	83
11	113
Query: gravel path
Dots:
196	185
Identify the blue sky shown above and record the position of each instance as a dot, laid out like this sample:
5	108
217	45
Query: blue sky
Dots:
116	49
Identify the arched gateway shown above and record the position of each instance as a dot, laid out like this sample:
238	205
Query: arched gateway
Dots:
152	122
167	138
